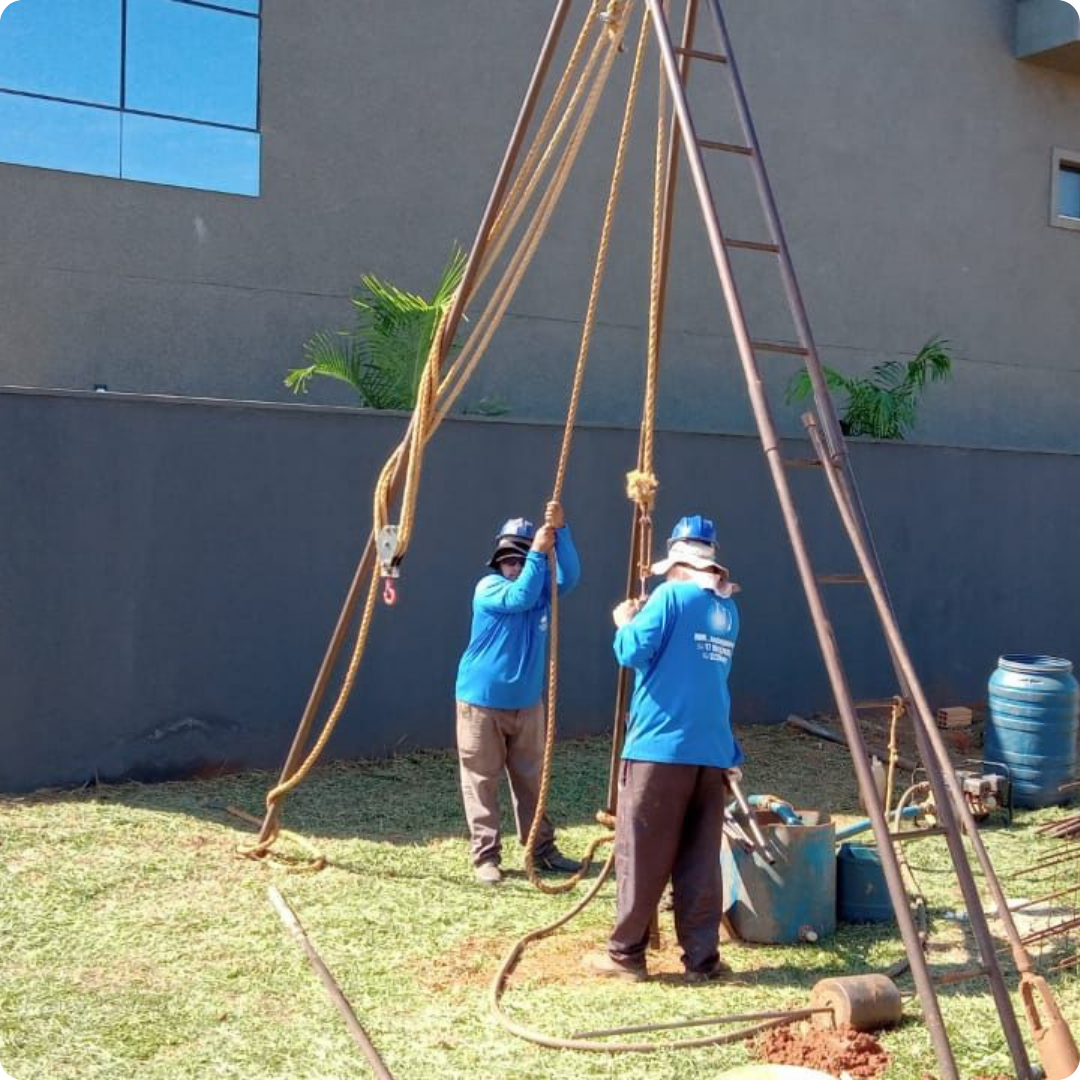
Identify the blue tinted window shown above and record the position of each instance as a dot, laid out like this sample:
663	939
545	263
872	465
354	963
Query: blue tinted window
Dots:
251	6
192	61
1069	192
151	90
62	48
191	155
57	135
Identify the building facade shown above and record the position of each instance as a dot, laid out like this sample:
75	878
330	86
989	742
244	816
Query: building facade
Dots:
190	190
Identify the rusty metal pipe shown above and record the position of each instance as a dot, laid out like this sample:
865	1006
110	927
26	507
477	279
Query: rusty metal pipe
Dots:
365	567
771	446
341	1002
946	794
623	689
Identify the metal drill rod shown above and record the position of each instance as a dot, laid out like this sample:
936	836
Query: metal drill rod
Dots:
365	567
944	792
770	442
671	175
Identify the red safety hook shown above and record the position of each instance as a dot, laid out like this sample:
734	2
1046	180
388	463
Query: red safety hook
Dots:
389	592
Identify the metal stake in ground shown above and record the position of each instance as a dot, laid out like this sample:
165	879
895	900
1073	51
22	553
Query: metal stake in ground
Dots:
341	1003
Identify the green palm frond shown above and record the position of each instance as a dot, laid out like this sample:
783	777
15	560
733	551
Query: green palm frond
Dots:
799	387
883	403
383	356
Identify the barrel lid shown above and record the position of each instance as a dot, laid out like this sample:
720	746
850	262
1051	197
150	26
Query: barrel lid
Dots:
1033	663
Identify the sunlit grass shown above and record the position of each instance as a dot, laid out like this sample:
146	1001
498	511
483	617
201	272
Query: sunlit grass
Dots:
138	945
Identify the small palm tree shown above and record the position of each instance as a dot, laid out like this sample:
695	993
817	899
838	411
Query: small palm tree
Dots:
383	356
883	403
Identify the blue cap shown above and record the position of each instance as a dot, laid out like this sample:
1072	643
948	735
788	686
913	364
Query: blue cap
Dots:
517	529
693	527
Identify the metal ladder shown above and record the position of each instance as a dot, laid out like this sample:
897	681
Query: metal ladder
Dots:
1053	1039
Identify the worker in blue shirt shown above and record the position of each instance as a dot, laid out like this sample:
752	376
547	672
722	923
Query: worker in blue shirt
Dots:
678	754
500	684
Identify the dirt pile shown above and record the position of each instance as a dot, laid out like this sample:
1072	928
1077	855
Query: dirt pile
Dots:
831	1050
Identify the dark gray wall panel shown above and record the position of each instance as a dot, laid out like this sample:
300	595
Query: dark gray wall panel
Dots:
170	572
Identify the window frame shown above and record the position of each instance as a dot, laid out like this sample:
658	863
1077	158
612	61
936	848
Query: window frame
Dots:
238	9
1062	160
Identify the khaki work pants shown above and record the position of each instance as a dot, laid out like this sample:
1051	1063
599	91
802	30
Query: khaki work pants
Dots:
490	741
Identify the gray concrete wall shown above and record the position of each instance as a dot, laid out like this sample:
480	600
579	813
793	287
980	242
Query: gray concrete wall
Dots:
910	153
170	572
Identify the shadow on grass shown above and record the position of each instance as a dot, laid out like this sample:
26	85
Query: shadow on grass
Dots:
407	800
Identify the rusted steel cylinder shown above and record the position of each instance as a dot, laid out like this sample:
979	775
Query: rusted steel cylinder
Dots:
864	1002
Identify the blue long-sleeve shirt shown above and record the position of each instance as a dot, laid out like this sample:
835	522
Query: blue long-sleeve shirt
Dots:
503	665
680	644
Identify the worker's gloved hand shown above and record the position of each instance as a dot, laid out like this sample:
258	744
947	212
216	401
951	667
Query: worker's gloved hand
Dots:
625	611
733	775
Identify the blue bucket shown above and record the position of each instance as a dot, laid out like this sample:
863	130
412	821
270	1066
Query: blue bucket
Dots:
792	899
861	893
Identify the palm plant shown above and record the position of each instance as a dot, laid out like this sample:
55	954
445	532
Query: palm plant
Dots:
883	403
383	356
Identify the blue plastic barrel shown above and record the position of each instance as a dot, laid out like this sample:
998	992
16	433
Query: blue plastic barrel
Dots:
791	899
1032	728
861	893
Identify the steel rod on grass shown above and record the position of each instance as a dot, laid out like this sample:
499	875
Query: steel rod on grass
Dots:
341	1003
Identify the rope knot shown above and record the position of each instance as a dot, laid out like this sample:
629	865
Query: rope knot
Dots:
641	488
614	17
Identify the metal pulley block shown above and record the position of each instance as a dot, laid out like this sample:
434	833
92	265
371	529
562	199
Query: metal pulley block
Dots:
386	548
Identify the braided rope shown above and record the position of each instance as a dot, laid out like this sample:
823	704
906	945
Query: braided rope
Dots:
560	476
434	399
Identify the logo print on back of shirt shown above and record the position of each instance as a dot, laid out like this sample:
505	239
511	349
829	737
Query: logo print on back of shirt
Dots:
719	619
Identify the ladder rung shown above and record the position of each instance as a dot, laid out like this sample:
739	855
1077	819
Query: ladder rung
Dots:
754	245
802	462
841	579
716	58
875	703
727	147
779	347
918	834
948	978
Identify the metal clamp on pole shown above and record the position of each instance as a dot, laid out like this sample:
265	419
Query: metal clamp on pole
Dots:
386	547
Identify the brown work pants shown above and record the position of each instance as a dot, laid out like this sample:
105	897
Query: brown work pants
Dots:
669	823
490	741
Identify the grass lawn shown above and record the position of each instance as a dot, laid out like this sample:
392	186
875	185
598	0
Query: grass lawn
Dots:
136	944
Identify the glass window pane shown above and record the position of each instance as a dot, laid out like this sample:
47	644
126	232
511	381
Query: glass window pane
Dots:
1069	192
62	48
251	6
190	155
193	62
56	135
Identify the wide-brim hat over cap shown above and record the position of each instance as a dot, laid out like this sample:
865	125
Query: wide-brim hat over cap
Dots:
692	543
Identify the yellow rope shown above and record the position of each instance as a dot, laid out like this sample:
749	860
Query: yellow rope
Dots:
641	483
529	173
436	394
277	793
467	360
560	476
